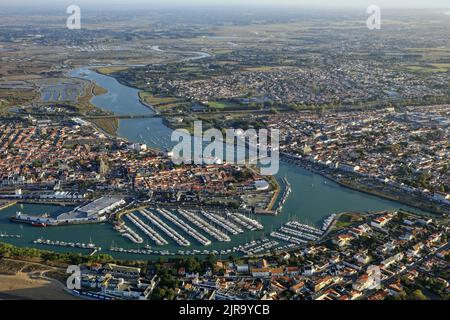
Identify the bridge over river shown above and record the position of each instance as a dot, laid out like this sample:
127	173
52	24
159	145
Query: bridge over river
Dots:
125	116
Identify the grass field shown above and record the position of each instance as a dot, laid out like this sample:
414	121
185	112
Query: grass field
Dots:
10	98
98	91
161	103
260	69
222	104
110	126
347	219
153	100
110	70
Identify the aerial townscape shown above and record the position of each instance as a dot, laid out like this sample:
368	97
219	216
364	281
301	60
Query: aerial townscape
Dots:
90	189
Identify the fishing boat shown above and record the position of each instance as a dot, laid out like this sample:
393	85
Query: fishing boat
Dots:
39	224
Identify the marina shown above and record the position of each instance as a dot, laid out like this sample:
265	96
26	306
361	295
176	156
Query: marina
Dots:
184	226
129	233
252	248
328	221
5	235
180	240
152	234
297	233
79	245
223	223
303	203
208	228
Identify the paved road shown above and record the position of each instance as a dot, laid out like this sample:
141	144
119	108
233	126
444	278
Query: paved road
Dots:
390	280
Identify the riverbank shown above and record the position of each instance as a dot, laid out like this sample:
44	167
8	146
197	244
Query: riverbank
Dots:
7	204
351	182
25	280
142	100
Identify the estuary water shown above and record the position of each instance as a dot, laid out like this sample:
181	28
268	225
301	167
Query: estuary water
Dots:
313	197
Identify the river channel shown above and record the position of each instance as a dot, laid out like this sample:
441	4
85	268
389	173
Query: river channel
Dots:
313	197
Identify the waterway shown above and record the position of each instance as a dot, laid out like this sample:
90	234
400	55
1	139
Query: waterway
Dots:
312	198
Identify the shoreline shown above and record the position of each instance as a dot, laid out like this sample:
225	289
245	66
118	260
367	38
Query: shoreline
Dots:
309	167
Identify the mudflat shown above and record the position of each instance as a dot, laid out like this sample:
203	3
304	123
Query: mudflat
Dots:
22	286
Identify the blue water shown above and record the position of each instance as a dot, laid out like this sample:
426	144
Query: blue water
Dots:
312	198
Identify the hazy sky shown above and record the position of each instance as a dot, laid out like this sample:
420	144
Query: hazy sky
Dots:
315	3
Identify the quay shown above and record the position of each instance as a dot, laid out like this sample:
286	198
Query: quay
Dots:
7	204
119	117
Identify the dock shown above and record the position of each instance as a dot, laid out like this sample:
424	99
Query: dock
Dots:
207	227
180	240
149	232
185	227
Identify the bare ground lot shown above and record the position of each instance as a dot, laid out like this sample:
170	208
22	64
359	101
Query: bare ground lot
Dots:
20	280
22	287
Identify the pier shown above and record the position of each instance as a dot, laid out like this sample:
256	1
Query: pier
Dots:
5	205
208	228
185	227
5	235
287	238
129	233
257	247
297	233
286	192
152	234
223	223
79	245
245	221
304	227
328	222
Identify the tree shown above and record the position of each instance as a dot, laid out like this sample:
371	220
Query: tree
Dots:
212	260
158	294
193	265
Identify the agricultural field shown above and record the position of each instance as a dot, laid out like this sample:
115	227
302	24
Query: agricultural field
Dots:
15	97
429	68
